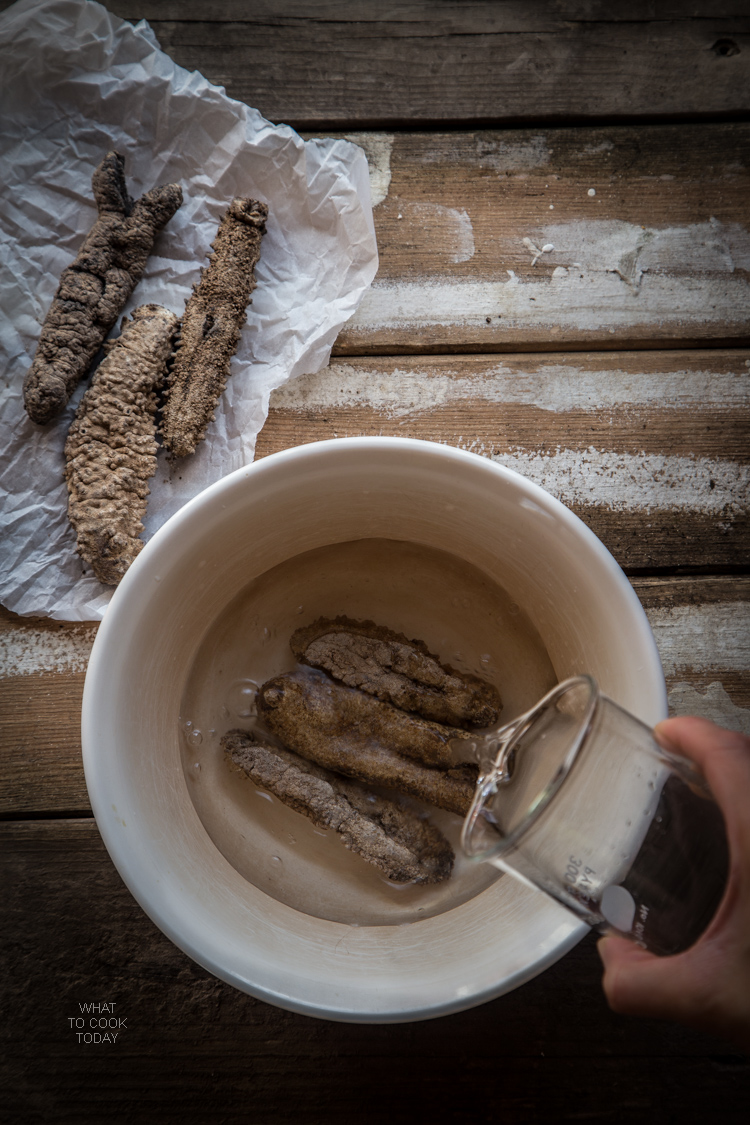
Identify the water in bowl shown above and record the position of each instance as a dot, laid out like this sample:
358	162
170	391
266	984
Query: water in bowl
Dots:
463	616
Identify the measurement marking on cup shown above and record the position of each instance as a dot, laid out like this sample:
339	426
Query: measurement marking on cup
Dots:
578	876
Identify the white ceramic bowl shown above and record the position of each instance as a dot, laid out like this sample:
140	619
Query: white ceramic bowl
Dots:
254	519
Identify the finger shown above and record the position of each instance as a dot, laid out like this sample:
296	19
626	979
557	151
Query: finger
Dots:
638	983
723	757
701	741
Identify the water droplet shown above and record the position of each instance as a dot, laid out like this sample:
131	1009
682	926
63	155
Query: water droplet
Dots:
195	737
300	609
265	796
157	578
276	858
242	699
187	725
197	767
485	658
514	609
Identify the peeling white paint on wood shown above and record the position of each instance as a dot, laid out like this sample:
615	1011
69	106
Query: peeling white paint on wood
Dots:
714	703
630	250
645	482
377	148
550	386
27	650
704	638
456	231
569	300
599	275
514	156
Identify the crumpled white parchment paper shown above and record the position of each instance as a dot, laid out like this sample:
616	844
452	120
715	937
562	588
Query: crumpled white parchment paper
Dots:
78	81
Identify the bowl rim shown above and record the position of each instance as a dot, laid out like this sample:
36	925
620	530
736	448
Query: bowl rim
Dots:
95	763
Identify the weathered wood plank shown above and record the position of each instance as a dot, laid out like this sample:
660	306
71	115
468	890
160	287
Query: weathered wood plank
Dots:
42	669
702	628
555	240
193	1049
650	449
359	63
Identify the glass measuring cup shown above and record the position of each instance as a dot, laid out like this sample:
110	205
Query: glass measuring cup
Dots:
577	799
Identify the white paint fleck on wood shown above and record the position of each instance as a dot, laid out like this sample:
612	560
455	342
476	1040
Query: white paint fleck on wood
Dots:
26	650
377	148
549	386
537	251
644	482
702	638
598	149
714	703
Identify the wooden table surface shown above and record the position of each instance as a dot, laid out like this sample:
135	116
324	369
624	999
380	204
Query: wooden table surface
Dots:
562	210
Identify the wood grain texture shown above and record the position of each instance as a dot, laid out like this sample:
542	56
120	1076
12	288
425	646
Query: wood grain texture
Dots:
702	626
650	449
193	1049
366	64
558	239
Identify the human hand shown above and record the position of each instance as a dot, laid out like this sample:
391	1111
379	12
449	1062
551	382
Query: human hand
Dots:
707	986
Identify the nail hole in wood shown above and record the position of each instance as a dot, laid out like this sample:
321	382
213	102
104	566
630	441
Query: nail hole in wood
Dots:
725	48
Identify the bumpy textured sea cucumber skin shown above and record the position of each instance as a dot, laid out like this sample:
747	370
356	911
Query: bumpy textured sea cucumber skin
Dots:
391	667
337	727
110	453
94	288
211	325
405	847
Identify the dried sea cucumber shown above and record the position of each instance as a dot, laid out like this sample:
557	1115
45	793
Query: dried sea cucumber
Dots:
404	846
94	288
211	325
110	453
340	729
387	665
342	710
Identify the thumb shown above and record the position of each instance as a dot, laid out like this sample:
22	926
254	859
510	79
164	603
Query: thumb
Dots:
638	983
